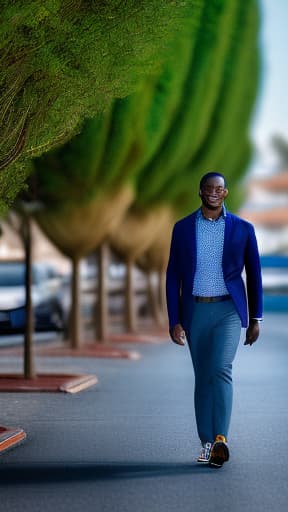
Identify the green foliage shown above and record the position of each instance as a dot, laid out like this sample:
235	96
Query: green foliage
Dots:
199	96
115	145
190	116
65	60
10	180
68	174
139	123
228	124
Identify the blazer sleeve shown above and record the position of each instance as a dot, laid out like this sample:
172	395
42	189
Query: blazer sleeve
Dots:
253	276
173	282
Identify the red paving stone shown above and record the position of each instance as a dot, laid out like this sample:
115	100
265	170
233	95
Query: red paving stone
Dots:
89	350
46	382
86	350
10	437
108	349
157	337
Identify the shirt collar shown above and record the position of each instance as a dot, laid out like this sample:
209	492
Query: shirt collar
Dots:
223	213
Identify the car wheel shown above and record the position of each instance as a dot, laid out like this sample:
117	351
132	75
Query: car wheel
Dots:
57	319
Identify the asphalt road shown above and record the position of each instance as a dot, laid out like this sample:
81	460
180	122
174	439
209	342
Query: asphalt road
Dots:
11	340
130	443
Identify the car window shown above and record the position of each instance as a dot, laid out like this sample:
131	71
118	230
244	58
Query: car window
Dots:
12	274
38	275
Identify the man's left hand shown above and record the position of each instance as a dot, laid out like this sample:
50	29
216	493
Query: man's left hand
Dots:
252	333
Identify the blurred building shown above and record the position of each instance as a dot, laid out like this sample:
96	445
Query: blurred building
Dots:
267	208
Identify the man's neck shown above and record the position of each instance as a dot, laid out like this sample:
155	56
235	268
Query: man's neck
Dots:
211	214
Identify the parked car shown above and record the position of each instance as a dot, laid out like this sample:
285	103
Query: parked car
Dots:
275	282
50	311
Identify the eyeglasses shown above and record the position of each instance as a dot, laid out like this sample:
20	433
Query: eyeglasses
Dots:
218	190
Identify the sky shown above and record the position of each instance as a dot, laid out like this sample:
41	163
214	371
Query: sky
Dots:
271	112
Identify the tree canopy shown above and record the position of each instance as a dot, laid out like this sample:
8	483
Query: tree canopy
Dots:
63	61
189	116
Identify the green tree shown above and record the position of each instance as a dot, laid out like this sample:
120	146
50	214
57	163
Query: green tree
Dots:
63	61
77	182
190	116
171	177
226	147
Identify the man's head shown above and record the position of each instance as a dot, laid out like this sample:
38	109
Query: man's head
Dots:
213	190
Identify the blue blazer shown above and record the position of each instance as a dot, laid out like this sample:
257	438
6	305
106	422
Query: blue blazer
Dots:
240	252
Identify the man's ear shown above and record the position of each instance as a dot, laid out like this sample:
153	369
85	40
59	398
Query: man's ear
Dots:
226	192
200	192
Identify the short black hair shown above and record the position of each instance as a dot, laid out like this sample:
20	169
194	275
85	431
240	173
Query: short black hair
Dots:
212	175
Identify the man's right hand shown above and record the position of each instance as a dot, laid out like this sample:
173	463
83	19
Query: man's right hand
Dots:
178	334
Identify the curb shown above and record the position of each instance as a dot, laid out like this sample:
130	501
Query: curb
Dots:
78	384
10	437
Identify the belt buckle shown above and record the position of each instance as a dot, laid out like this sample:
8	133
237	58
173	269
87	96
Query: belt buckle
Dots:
204	299
208	300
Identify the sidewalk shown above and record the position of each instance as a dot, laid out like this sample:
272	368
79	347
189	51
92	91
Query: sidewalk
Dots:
64	382
67	382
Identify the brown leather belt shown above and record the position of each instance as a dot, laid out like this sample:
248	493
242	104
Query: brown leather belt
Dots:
218	298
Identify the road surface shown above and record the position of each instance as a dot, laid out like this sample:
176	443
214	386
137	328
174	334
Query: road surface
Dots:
130	443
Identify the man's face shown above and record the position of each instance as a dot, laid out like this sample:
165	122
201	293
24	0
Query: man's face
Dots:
213	193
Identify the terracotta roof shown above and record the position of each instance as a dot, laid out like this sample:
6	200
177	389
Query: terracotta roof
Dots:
273	217
275	183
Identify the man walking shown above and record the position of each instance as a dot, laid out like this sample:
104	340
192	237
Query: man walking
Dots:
208	304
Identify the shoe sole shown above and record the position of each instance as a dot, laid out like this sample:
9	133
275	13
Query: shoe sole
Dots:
219	454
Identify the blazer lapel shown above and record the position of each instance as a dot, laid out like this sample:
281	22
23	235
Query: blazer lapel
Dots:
192	241
227	233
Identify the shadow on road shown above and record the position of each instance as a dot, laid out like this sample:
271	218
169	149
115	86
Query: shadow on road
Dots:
27	474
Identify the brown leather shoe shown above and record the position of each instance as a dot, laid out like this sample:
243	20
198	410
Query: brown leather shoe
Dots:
219	452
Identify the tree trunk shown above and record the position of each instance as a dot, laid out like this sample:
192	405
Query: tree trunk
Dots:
130	304
75	315
162	293
102	302
29	366
154	306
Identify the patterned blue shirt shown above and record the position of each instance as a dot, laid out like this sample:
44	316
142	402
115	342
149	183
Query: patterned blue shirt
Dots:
209	279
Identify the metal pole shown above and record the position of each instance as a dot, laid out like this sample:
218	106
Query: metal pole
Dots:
102	293
75	319
29	366
130	306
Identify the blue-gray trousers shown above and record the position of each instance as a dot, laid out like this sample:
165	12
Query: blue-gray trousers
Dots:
213	333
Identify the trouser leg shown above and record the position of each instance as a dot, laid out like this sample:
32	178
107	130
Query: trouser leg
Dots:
197	325
225	340
213	335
